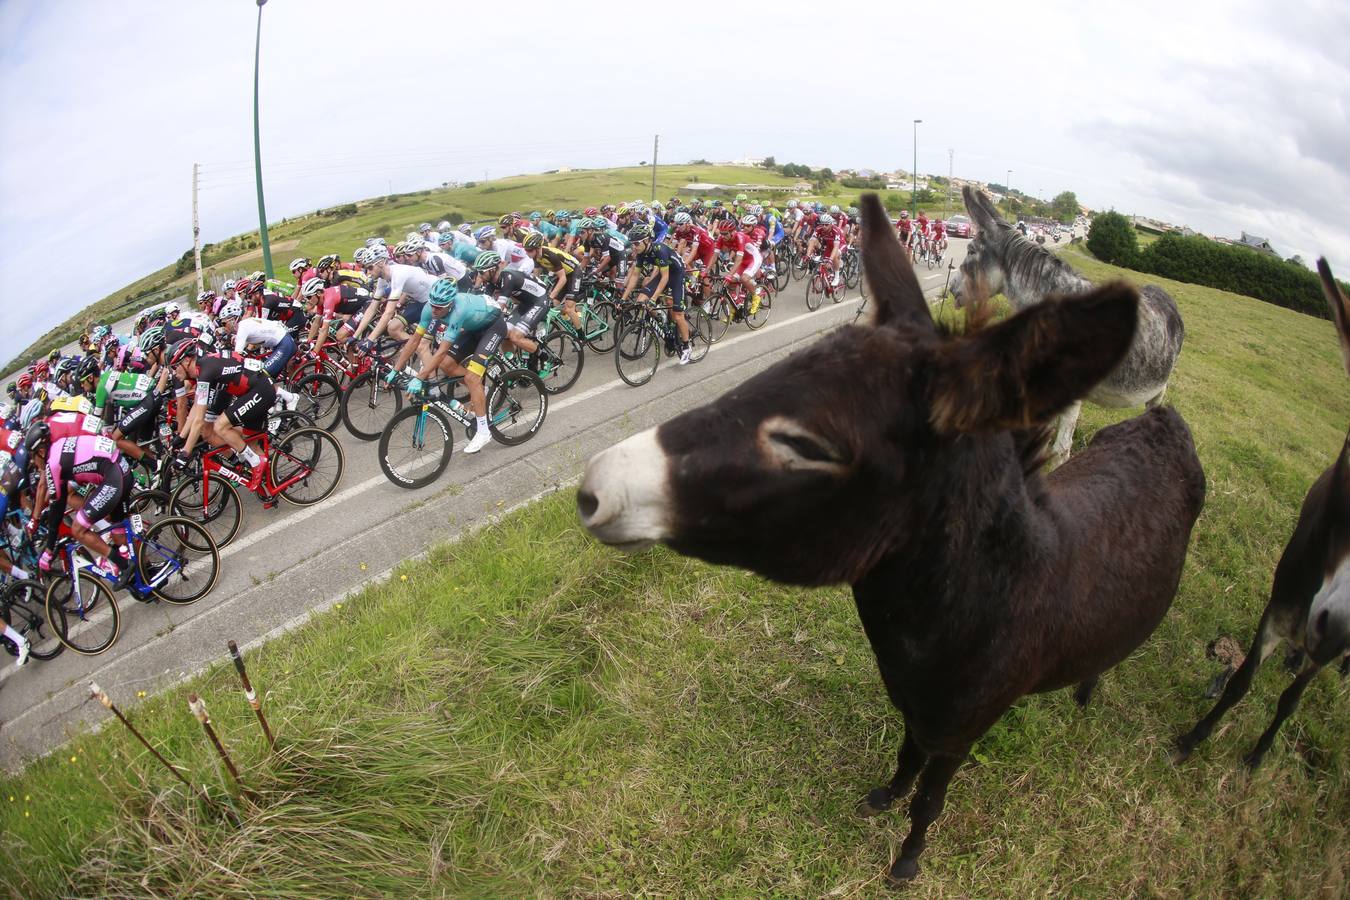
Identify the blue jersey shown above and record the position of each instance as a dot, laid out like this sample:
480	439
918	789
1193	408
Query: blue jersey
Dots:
469	312
465	252
659	229
549	230
619	235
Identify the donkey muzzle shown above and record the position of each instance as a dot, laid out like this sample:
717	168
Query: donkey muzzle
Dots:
623	499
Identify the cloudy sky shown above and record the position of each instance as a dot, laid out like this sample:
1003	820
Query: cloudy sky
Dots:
1222	115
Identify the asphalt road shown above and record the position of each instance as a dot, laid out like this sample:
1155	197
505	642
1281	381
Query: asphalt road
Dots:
289	562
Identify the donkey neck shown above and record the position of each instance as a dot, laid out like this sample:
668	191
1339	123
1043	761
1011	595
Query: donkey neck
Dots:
1031	273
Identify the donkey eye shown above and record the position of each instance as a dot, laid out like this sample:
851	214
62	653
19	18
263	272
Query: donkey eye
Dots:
807	448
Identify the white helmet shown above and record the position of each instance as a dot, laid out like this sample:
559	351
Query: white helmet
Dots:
362	256
377	253
413	236
232	310
31	410
443	226
313	287
229	284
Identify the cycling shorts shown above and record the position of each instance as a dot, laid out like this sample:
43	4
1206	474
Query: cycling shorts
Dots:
750	261
275	362
527	315
410	314
246	410
106	500
138	424
675	288
481	344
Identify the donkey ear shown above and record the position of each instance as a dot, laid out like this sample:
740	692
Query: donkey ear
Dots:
981	209
1340	307
899	299
1027	368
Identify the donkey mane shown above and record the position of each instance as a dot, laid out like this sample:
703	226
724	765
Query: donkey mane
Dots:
1029	265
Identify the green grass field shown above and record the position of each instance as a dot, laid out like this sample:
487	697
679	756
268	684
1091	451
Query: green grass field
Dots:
532	713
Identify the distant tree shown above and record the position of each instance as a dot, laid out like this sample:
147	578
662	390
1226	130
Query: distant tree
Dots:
643	163
698	162
1297	261
1064	208
1112	239
825	174
998	188
769	162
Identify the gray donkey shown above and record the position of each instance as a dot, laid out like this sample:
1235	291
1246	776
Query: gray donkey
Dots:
1000	259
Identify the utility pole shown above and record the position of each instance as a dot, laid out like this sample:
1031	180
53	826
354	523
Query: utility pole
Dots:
914	197
196	229
656	145
951	168
257	151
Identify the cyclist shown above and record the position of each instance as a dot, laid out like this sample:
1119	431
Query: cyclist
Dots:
566	272
830	240
409	288
458	324
745	261
86	460
905	226
230	394
330	302
513	286
656	267
602	248
274	338
459	246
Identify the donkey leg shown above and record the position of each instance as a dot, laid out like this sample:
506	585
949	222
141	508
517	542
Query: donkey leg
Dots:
1068	421
911	760
1265	642
1283	710
1083	693
1156	399
923	809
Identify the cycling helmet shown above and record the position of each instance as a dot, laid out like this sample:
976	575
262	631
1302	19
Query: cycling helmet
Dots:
904	214
424	227
820	207
640	233
372	241
827	220
30	413
377	254
53	356
443	292
37	435
231	310
152	339
740	197
726	226
228	286
446	239
683	218
562	215
98	334
465	228
834	210
362	256
591	212
88	369
25	381
607	208
853	212
443	225
534	241
327	261
537	216
487	261
716	204
506	222
590	222
260	276
299	264
405	248
40	369
181	351
248	286
313	287
412	236
749	220
486	233
65	366
548	213
792	204
205	297
622	210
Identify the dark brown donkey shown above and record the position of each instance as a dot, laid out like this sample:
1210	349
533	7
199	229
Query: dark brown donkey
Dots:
1310	598
894	458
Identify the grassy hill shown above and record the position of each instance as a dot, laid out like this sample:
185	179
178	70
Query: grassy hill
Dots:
530	713
331	231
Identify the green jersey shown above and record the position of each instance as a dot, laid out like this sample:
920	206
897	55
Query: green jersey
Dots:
124	389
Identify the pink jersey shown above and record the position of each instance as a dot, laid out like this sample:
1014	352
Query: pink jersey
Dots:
89	451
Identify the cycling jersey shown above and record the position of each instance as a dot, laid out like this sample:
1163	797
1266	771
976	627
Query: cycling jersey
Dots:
443	264
124	389
466	251
72	424
658	258
553	260
411	282
606	243
342	300
513	255
736	242
73	403
353	277
659	228
832	236
289	310
304	276
83	460
550	231
229	373
188	324
706	247
264	333
469	313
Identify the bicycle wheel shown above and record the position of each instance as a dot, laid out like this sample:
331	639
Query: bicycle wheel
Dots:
284	420
700	331
150	504
178	560
761	315
639	351
311	460
415	446
599	324
320	399
799	266
852	271
517	405
88	622
26	602
367	405
222	514
719	317
557	376
815	292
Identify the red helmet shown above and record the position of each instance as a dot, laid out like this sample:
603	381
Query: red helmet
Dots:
40	370
591	212
25	381
727	225
245	286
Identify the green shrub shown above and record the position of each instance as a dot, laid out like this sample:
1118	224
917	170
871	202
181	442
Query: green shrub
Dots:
1112	240
1200	261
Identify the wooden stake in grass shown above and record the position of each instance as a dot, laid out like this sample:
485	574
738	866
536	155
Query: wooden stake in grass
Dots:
251	696
99	694
198	707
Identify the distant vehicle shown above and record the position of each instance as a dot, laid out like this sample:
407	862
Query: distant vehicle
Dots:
960	226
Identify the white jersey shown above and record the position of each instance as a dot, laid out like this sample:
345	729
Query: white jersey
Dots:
261	332
513	255
410	282
431	237
440	264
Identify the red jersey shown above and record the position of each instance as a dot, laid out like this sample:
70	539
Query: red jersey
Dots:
810	220
829	238
299	282
757	235
904	225
735	242
699	236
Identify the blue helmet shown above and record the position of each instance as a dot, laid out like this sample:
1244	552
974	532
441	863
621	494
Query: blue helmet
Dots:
487	232
443	292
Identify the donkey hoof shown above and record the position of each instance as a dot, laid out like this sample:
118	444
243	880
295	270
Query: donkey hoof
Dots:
902	872
1252	761
877	801
1181	751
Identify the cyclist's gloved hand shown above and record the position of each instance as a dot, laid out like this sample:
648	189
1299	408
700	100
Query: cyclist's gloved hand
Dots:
365	345
32	526
180	460
391	377
415	386
45	561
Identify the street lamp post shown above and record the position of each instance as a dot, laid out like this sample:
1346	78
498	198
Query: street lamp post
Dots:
257	151
1007	187
914	197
